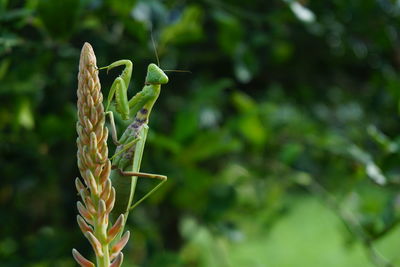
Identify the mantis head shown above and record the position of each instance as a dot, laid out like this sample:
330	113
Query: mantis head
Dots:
155	75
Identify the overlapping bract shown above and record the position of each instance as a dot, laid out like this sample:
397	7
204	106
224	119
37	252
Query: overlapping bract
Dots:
97	193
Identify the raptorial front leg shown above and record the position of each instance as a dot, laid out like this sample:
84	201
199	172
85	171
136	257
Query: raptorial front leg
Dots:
113	128
119	89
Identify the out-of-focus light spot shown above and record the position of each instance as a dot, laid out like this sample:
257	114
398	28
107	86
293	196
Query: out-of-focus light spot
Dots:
209	117
375	174
141	12
360	49
242	73
302	13
25	115
349	112
371	169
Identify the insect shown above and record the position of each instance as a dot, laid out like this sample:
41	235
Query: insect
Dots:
128	154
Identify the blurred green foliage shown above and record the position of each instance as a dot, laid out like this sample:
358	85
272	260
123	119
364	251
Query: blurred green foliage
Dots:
288	103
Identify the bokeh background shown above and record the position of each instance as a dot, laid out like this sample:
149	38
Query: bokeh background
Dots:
282	145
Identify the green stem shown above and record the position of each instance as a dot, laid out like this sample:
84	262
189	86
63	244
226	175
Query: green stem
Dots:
100	232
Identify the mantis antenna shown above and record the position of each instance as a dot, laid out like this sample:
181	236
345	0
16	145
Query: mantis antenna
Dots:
158	59
186	71
154	46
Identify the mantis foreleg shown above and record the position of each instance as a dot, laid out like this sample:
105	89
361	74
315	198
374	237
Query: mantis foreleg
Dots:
113	128
119	89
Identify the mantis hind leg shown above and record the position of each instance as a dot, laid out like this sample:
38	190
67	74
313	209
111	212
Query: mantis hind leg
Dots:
144	175
160	177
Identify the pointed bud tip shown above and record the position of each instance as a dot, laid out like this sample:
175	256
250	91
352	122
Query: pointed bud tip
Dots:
82	261
118	260
87	56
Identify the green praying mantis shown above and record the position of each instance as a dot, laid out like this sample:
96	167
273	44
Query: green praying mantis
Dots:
128	154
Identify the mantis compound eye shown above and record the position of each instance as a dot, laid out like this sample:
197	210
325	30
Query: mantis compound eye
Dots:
155	75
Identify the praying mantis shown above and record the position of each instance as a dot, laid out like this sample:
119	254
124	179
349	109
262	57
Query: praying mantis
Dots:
128	154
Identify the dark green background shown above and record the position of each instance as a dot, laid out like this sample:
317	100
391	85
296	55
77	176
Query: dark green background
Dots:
281	146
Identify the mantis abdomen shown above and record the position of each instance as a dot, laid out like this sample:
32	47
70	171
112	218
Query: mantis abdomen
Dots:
128	161
122	185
